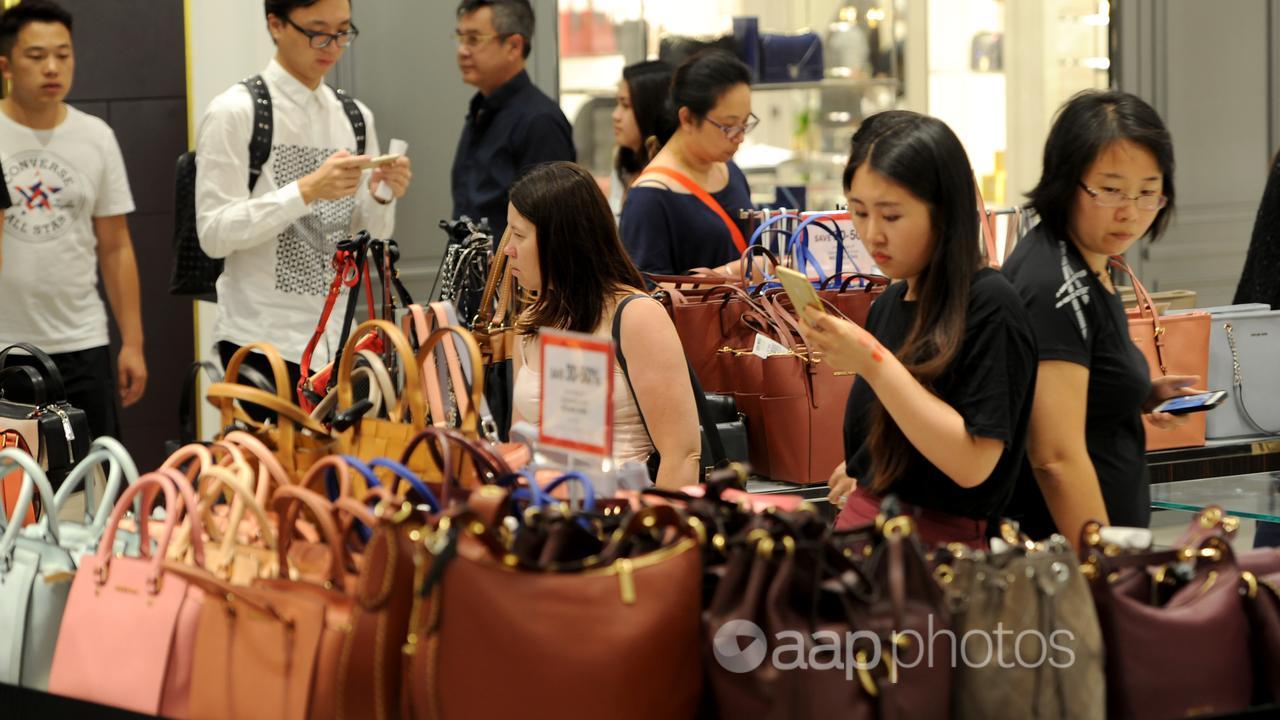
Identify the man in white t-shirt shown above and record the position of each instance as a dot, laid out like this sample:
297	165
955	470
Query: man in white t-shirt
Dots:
64	171
279	238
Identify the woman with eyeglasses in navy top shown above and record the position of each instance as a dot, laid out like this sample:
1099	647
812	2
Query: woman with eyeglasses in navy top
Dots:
682	212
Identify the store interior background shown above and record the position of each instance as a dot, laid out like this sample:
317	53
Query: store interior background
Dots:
1211	69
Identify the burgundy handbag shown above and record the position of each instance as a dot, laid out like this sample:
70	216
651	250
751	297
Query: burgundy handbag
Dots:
1175	628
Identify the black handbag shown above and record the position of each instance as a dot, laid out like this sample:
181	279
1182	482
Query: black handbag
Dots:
730	424
675	49
55	433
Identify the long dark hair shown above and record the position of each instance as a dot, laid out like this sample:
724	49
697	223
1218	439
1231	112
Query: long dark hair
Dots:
1085	126
925	157
650	85
580	256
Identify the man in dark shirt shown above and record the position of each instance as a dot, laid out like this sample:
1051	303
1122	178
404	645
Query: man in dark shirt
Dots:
511	124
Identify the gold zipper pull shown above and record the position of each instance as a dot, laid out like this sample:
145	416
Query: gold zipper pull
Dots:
626	583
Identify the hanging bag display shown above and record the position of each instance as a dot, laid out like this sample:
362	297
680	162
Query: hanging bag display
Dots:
494	329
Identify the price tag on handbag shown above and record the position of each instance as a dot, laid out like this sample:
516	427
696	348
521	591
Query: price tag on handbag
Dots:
766	348
577	392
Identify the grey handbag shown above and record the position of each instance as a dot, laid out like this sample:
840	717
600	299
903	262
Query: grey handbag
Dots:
35	578
1244	344
81	538
1028	606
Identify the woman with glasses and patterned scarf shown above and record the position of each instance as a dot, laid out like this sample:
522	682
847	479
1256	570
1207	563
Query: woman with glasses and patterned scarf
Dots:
682	211
1107	183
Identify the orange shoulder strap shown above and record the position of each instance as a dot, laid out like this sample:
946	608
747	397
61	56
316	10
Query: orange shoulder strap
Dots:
734	231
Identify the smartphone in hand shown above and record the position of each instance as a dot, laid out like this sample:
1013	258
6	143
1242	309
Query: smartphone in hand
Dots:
379	161
800	290
1200	402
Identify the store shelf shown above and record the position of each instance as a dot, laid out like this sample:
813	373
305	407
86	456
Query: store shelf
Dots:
826	84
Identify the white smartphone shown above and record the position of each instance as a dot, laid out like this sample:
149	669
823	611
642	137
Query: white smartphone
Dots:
1200	402
379	161
800	290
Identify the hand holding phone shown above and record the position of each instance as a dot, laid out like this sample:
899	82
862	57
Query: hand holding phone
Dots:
800	290
1200	402
379	161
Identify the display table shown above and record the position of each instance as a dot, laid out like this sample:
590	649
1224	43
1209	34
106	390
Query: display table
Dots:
1218	458
1255	496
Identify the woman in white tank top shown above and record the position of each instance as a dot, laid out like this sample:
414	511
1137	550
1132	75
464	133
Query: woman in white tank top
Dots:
564	247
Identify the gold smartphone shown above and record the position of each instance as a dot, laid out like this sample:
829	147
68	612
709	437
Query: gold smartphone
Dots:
800	290
379	161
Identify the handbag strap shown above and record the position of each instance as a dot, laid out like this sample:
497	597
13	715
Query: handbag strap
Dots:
349	271
412	393
35	381
121	470
1237	382
799	243
1146	310
499	274
56	390
697	191
716	443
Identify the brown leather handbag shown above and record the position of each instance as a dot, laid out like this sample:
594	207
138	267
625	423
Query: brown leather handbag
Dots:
1175	628
853	302
369	436
1034	606
1173	345
479	618
803	404
297	439
272	650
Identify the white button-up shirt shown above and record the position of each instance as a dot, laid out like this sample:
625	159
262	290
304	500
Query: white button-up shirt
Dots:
278	249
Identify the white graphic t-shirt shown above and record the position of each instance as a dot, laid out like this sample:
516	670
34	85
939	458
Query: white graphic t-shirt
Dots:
278	250
58	180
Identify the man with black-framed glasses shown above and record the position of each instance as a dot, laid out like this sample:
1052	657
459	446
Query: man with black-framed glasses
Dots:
275	202
511	124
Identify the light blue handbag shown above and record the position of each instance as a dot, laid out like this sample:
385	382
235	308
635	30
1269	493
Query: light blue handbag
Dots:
35	578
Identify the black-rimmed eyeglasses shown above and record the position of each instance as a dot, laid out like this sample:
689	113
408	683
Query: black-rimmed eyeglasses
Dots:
320	40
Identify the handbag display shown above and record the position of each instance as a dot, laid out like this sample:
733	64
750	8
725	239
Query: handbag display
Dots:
466	267
128	632
1033	601
35	577
365	436
55	433
1173	345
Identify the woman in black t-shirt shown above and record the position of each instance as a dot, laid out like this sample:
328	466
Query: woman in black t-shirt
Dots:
1107	181
938	414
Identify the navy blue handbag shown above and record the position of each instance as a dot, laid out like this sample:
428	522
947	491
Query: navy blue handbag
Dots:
790	58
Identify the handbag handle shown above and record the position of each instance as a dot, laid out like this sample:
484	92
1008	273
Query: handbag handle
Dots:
1146	310
285	410
279	372
403	473
34	481
288	504
438	440
412	394
800	239
213	481
270	471
120	469
470	421
314	480
589	492
176	492
461	369
498	275
191	460
57	391
39	389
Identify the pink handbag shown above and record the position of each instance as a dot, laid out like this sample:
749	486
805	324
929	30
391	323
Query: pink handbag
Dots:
128	634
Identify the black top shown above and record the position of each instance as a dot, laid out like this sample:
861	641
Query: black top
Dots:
989	383
670	233
1078	321
514	128
1260	281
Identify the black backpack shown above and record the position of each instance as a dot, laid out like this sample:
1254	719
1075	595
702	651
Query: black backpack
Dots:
194	272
